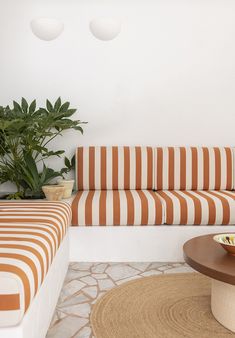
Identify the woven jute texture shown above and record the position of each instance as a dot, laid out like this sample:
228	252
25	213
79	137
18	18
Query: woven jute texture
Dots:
166	306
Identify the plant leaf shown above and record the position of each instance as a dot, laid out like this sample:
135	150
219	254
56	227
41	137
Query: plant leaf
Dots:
24	105
73	162
32	167
78	128
57	104
67	162
17	107
32	107
49	106
64	107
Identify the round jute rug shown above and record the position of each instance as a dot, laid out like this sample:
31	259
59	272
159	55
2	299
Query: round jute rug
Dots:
166	306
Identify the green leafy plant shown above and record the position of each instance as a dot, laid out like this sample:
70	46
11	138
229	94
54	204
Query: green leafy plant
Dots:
25	135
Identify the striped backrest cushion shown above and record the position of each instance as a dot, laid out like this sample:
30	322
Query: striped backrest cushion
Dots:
193	168
112	168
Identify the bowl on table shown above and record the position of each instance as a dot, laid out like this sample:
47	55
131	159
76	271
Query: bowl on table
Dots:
227	241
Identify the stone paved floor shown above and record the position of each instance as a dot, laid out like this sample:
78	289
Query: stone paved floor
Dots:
86	282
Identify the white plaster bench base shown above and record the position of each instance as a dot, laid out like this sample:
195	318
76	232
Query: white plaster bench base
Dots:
135	243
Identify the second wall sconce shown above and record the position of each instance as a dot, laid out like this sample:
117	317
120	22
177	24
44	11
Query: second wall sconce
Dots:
105	28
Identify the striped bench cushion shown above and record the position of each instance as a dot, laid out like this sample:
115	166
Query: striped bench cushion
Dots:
113	168
117	207
30	235
194	168
198	207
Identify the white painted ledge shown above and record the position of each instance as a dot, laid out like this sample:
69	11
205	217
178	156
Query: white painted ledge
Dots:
134	243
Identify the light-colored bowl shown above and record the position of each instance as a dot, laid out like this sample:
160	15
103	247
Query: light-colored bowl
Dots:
68	185
227	241
53	192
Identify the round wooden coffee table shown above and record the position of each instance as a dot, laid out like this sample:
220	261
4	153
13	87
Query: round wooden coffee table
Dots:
208	257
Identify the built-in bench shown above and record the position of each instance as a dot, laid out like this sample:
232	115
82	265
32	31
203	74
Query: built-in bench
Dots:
157	187
34	255
132	204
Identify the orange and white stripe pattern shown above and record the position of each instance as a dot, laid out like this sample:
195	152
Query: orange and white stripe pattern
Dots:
198	207
117	207
30	235
113	168
194	168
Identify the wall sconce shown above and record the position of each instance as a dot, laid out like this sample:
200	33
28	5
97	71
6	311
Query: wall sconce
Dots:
105	28
47	28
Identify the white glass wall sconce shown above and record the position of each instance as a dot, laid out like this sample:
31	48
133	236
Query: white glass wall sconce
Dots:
105	28
46	29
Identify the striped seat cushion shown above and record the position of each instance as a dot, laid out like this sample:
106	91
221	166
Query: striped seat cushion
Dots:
113	168
198	207
193	168
30	235
117	207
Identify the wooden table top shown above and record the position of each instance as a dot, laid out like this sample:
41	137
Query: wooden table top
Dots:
208	257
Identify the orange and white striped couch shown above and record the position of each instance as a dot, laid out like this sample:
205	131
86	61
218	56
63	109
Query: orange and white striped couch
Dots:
31	234
126	186
117	186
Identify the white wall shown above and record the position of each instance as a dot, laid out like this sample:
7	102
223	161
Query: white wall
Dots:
168	79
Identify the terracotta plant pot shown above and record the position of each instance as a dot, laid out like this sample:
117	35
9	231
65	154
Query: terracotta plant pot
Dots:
68	185
53	192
